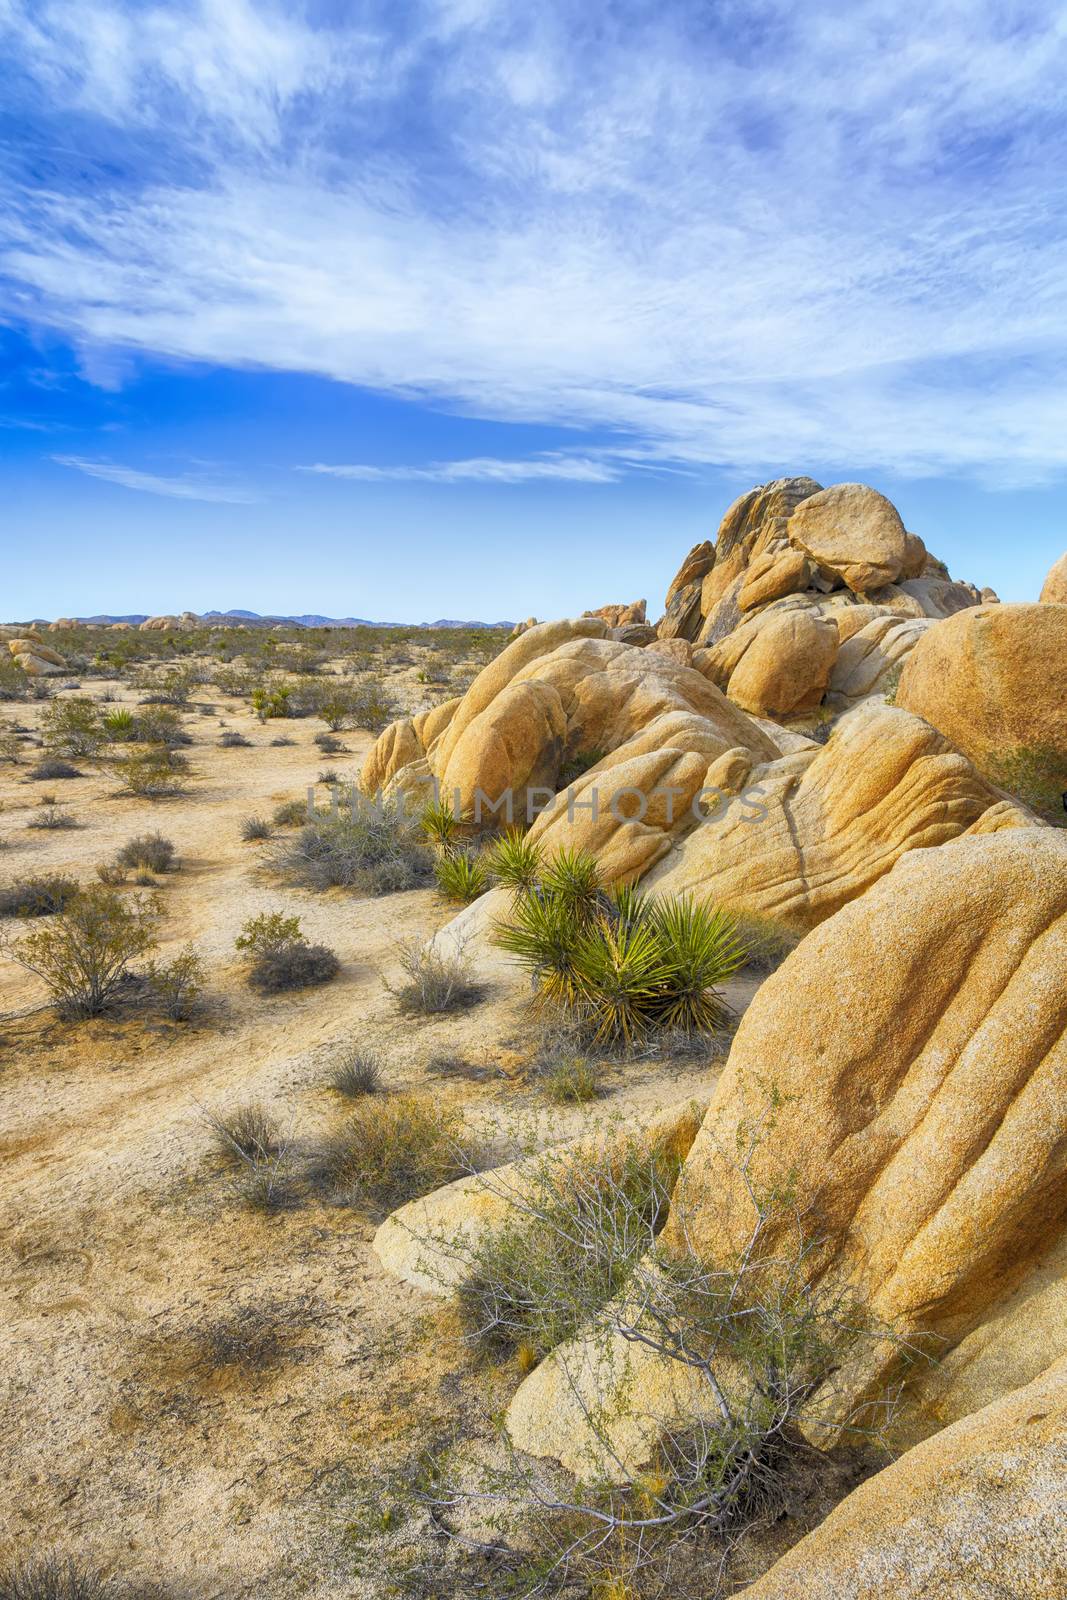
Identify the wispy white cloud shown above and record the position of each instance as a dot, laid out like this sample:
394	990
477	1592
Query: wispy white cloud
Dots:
482	469
185	488
761	234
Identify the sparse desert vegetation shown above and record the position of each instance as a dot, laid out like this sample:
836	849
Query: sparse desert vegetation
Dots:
350	1140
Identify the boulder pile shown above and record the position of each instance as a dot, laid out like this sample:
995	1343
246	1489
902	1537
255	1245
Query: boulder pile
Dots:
37	659
818	730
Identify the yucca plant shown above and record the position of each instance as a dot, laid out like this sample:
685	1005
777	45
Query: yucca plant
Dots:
623	963
120	724
621	978
515	861
440	824
461	876
573	878
700	948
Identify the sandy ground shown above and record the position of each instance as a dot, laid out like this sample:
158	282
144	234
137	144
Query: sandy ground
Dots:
125	1240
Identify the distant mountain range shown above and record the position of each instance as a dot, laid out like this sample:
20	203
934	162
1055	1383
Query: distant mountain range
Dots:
309	619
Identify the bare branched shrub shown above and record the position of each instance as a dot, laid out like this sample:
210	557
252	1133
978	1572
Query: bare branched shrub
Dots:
52	767
435	980
51	817
247	1133
754	1333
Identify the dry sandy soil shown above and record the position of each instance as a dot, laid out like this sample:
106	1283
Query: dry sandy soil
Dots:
126	1243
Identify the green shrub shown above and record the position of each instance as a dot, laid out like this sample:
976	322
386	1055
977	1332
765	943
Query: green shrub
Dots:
460	876
149	850
72	727
580	1227
37	897
269	931
84	954
1037	775
623	964
152	774
398	1148
177	985
570	1080
514	860
439	824
120	725
364	850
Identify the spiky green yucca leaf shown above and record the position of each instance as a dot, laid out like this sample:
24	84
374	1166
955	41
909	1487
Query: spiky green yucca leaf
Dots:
572	878
621	974
461	876
628	904
542	934
515	860
439	823
701	948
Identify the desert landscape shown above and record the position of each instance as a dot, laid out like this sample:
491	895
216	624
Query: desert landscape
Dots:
569	1110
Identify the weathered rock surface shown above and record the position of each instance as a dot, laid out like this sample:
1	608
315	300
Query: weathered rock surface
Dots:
853	532
993	679
919	1039
973	1514
1054	588
917	1043
818	827
619	616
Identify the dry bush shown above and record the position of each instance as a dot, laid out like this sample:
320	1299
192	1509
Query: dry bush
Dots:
357	1073
363	850
250	1339
54	1578
148	850
435	981
37	897
52	817
247	1133
254	828
153	774
392	1150
293	966
766	942
51	767
231	740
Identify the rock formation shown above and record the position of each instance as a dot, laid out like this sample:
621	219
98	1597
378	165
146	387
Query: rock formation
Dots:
1054	588
37	659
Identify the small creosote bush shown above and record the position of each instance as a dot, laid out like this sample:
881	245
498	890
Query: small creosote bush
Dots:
293	966
83	955
269	931
460	876
72	727
154	773
291	813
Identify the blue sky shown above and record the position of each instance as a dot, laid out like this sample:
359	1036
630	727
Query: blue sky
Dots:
479	308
